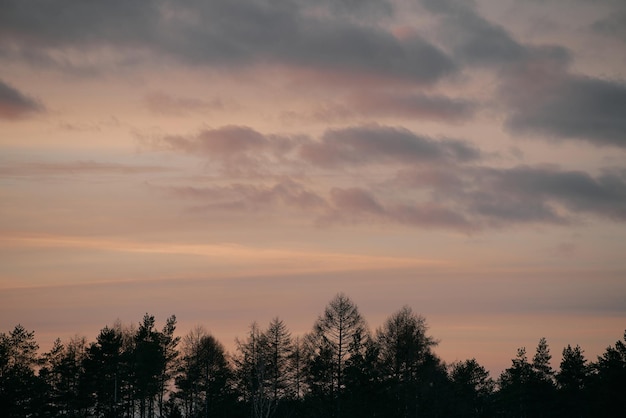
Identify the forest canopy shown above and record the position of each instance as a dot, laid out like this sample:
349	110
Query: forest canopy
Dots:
341	368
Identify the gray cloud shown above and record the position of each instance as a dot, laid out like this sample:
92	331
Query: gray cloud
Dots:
473	38
413	105
439	183
613	25
351	205
48	23
476	41
564	106
358	145
224	33
237	150
225	142
253	197
389	104
524	194
14	104
359	8
578	191
383	144
540	94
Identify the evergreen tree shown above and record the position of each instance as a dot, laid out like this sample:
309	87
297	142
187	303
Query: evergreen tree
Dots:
573	380
542	384
610	380
21	390
64	374
103	377
513	385
150	363
472	389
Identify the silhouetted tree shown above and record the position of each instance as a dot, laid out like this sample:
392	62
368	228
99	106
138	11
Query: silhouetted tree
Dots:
542	383
513	386
64	374
298	369
336	370
319	375
335	336
253	368
528	389
168	344
103	378
279	349
363	390
405	350
150	365
204	373
572	381
21	391
610	380
472	389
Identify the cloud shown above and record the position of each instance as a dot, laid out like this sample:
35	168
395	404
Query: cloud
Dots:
563	106
224	34
474	39
578	191
372	144
233	146
505	197
478	42
540	94
368	51
613	25
465	199
252	197
237	150
412	105
355	200
541	194
227	141
355	8
75	168
14	104
391	103
165	104
423	182
358	205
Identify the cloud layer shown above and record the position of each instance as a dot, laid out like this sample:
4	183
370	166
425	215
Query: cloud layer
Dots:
378	84
421	181
14	104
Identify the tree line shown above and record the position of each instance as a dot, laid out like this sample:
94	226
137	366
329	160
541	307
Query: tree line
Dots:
339	369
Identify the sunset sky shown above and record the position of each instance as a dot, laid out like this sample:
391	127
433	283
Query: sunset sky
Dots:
229	161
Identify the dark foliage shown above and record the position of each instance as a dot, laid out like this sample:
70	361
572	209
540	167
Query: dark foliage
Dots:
339	369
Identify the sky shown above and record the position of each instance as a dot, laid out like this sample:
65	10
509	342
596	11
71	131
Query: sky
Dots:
230	161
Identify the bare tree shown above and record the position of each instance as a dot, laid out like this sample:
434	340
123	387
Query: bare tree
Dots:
405	350
204	373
